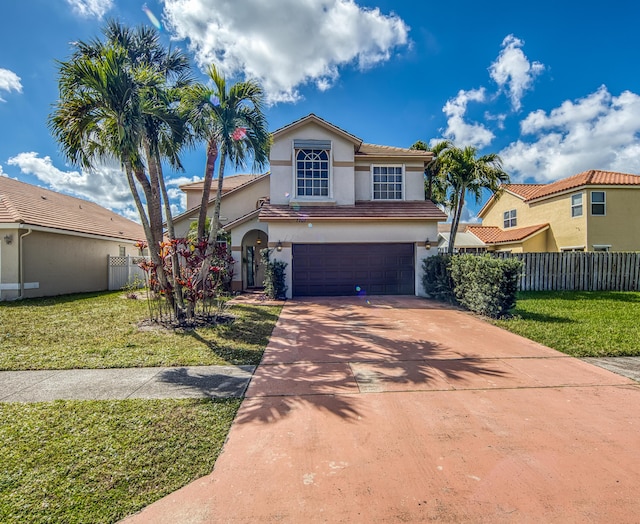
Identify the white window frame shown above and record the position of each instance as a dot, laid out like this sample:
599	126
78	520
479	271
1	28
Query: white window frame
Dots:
511	218
603	204
572	249
576	206
122	251
600	248
294	172
402	182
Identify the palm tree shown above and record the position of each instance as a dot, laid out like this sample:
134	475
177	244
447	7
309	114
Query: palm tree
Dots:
434	187
115	102
465	172
234	127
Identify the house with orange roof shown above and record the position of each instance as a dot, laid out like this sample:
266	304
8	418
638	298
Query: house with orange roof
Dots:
346	217
54	244
591	211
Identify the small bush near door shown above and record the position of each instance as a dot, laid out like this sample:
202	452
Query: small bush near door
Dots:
274	276
481	284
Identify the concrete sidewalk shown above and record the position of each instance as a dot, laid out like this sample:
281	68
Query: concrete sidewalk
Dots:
103	384
401	410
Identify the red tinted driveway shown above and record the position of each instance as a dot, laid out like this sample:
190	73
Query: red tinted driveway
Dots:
401	410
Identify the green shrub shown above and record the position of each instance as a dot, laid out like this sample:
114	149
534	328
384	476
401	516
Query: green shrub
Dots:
485	285
436	278
274	275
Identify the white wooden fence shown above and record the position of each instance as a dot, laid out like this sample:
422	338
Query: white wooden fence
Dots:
124	271
575	271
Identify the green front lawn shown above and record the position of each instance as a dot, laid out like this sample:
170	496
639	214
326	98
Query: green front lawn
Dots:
100	330
580	323
99	461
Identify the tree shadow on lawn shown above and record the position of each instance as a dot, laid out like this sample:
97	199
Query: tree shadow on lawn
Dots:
617	296
519	314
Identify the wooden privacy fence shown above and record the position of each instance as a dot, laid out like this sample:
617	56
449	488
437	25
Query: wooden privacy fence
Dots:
578	271
124	271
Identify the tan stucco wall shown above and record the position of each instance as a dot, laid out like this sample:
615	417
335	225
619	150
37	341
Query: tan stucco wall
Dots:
62	264
565	230
536	244
233	206
9	268
342	186
356	232
194	197
620	227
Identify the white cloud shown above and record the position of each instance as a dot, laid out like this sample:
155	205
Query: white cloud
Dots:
599	131
91	8
9	81
178	197
288	45
513	71
106	185
459	131
2	173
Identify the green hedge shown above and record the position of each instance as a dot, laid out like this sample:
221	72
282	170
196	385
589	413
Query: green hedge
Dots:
481	284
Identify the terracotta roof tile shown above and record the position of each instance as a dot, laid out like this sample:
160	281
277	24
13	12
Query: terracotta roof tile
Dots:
524	190
35	206
592	177
229	183
422	210
495	235
376	150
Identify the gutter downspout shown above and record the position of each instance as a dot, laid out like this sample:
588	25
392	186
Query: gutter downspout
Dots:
20	264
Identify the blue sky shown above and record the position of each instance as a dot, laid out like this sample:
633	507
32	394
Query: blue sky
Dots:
553	88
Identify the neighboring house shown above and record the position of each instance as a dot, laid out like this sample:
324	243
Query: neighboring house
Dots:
53	244
347	217
465	242
590	211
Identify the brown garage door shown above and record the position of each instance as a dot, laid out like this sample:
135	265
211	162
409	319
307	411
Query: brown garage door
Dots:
352	269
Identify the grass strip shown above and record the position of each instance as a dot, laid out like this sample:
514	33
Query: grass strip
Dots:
99	461
100	330
579	323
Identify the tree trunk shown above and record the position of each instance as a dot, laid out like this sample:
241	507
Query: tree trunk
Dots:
212	156
215	222
156	164
455	222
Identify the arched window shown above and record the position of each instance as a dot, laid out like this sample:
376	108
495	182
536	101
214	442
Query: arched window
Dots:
312	172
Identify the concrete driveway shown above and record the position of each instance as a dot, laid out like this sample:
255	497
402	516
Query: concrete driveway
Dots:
397	409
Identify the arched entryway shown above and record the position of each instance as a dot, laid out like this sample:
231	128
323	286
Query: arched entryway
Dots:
252	267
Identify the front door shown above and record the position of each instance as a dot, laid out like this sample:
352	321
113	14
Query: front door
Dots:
255	268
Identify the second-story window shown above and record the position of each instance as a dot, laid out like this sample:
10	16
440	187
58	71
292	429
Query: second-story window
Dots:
387	182
576	205
510	218
312	172
598	203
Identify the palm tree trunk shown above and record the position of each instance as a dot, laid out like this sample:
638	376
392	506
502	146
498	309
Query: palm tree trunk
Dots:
213	234
156	165
212	156
456	221
215	222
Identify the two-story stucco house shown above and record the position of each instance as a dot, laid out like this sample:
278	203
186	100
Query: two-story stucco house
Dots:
590	211
347	217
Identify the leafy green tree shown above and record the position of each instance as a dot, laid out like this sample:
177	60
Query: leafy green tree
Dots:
116	101
434	182
465	172
232	122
